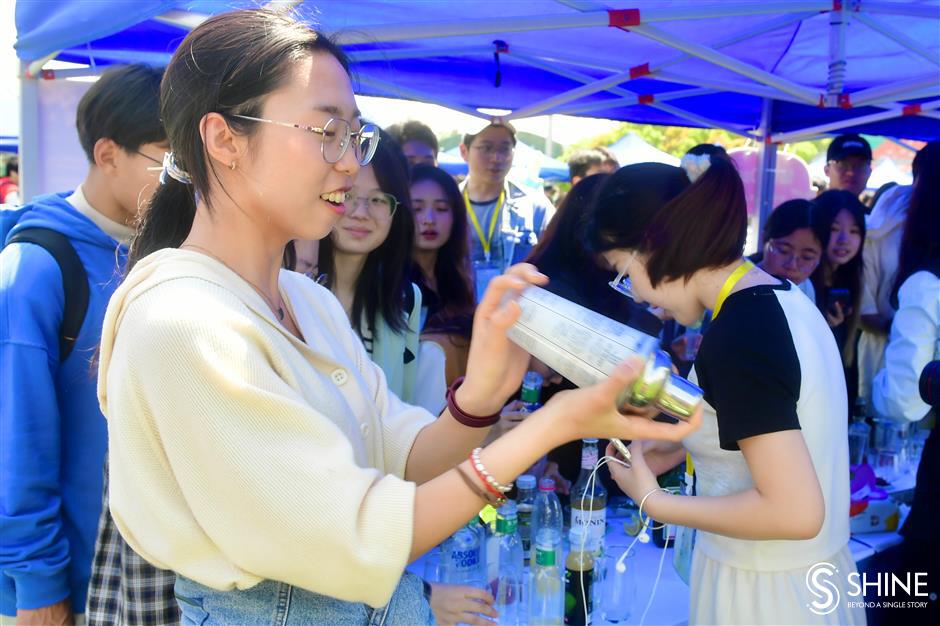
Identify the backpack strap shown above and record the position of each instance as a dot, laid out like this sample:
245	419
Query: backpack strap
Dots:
74	281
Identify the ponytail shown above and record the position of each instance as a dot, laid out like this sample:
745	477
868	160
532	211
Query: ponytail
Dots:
167	222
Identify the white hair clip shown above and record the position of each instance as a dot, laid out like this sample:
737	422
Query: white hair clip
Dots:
695	165
174	171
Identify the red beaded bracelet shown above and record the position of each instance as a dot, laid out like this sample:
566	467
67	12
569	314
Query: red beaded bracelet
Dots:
473	421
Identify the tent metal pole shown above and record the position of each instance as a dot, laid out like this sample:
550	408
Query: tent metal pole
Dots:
894	91
767	153
394	54
34	68
631	101
578	92
798	135
413	94
897	36
588	19
730	63
574	75
699	119
902	8
187	20
904	145
606	84
726	85
29	135
835	84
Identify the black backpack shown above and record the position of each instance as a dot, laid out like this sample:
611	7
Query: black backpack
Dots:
74	281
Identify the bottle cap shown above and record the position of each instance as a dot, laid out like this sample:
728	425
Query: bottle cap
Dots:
508	509
547	484
589	440
526	481
579	538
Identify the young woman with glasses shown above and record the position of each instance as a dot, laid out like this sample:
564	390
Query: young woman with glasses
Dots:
366	261
795	238
255	448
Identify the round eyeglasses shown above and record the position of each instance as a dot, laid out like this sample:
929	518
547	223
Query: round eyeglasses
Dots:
379	204
337	136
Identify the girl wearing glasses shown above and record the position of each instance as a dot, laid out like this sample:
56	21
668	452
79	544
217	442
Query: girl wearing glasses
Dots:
771	459
255	448
366	261
795	237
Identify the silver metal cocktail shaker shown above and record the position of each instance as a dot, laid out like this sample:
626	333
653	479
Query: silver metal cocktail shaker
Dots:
585	347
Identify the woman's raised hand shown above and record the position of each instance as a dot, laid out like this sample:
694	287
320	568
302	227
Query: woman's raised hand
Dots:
495	365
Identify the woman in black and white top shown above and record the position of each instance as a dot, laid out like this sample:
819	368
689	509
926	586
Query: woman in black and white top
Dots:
771	458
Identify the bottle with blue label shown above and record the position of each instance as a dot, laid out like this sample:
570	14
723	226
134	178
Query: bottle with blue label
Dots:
462	558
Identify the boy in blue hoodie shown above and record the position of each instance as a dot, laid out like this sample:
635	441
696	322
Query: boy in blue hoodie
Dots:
53	437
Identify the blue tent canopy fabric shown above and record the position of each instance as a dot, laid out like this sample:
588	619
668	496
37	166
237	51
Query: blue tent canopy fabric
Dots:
450	49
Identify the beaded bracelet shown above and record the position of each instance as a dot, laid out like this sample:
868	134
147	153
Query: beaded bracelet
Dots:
483	494
485	476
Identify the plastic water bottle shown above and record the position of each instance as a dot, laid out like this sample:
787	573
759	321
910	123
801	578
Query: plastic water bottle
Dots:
531	391
524	501
546	511
507	586
462	558
546	586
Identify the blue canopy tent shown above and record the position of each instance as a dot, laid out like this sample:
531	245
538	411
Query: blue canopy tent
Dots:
774	71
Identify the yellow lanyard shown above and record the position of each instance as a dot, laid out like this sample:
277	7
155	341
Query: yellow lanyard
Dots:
736	275
485	242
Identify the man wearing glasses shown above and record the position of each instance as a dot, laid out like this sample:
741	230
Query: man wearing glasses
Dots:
848	163
505	220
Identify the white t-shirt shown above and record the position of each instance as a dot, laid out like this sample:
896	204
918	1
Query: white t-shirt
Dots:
769	363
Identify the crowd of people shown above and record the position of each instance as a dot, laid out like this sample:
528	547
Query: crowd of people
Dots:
246	360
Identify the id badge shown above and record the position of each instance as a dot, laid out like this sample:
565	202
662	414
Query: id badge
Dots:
483	273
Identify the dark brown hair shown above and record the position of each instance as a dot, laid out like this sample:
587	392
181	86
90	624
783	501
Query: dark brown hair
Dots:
848	276
381	286
227	65
681	227
451	269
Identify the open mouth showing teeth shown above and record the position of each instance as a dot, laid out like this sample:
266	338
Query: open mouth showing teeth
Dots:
334	197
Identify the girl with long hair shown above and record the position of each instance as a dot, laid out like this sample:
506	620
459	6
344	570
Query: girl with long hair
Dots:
440	265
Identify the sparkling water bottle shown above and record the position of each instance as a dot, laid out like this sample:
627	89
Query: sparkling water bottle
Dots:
546	586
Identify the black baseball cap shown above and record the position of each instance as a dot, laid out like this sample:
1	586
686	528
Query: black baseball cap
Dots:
845	146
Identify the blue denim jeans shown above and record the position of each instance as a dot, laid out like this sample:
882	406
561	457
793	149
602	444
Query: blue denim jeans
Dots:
272	603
